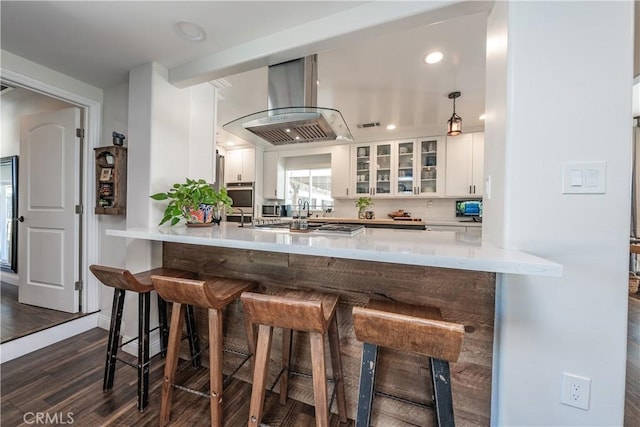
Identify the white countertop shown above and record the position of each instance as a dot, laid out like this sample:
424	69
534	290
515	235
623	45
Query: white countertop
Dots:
446	249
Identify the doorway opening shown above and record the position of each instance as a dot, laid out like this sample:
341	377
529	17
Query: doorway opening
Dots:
89	301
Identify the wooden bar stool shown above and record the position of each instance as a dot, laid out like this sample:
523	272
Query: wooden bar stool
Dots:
123	280
410	328
214	294
308	311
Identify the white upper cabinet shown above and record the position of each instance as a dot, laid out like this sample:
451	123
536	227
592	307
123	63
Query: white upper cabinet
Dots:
410	168
374	166
340	170
430	168
273	176
465	165
240	165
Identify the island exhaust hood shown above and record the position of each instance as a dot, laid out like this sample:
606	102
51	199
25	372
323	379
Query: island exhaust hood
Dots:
293	116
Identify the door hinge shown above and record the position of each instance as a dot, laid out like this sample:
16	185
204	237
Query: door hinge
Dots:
78	285
79	209
80	133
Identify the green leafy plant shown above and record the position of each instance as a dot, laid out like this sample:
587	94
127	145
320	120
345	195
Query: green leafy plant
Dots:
364	203
187	197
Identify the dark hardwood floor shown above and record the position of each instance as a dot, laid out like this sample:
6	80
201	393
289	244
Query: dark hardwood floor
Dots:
632	394
18	320
65	381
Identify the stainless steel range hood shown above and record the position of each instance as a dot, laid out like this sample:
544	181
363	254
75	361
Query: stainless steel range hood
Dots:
293	116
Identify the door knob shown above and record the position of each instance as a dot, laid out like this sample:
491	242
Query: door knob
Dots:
21	218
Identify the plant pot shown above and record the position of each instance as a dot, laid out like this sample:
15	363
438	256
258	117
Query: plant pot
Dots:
362	213
205	215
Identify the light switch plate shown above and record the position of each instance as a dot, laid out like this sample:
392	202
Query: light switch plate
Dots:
584	177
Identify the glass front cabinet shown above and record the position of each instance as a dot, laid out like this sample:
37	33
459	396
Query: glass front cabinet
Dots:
430	166
413	167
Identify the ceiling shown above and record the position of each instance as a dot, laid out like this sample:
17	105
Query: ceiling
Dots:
370	59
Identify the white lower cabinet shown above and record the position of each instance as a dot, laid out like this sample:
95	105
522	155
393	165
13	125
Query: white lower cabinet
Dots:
476	231
444	228
465	165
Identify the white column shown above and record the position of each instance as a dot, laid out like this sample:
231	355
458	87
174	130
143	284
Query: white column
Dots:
559	87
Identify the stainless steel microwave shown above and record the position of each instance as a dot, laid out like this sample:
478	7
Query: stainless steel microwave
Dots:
276	210
271	210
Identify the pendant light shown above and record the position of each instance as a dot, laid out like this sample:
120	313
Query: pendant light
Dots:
454	125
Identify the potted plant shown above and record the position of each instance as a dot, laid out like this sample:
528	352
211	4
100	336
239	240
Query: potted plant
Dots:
363	204
195	201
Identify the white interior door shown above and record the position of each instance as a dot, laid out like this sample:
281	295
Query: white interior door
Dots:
49	185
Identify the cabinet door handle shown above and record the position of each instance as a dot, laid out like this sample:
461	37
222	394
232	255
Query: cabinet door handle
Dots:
474	189
347	191
470	192
21	218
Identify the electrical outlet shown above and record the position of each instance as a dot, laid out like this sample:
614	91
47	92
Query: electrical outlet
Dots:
576	391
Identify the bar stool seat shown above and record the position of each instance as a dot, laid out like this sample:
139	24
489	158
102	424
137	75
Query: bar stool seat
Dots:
214	294
308	311
123	280
409	328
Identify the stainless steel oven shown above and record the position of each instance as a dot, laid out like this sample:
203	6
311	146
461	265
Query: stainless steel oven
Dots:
243	196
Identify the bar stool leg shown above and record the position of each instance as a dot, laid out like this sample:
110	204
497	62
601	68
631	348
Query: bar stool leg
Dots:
173	349
319	379
263	350
367	378
336	367
194	341
251	340
114	339
441	381
144	306
163	326
215	365
287	336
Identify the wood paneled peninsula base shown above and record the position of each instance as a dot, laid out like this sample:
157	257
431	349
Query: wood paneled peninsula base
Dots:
453	271
465	297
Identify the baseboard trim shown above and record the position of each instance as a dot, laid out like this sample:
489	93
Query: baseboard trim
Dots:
154	345
38	340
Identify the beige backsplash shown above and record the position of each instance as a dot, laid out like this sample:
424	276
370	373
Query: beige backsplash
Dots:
427	209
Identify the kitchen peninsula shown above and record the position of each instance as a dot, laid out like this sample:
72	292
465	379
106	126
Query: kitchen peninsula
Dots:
453	271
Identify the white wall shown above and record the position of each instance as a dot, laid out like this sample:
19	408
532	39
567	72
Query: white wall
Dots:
202	148
168	128
554	107
112	250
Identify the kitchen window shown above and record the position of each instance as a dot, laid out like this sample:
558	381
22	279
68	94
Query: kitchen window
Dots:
309	185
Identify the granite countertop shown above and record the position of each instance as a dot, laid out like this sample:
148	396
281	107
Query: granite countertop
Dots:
448	249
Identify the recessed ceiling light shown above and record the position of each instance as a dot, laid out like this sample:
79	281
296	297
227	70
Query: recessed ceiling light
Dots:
433	57
190	31
481	117
391	126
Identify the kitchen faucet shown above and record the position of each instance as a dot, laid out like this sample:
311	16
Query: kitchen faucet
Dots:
241	217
